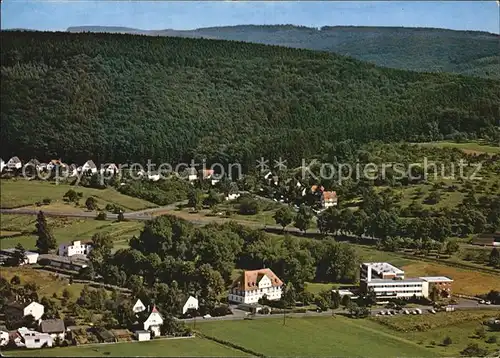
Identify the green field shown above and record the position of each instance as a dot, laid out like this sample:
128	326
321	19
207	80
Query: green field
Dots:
468	147
19	192
194	347
64	229
318	336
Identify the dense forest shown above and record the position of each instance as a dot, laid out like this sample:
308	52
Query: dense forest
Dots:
128	98
472	53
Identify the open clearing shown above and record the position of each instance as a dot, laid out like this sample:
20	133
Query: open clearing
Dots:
64	229
192	347
469	147
20	192
466	282
315	336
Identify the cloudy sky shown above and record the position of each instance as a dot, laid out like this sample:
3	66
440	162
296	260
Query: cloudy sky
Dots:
59	15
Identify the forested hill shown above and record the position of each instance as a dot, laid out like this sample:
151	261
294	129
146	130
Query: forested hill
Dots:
421	49
127	97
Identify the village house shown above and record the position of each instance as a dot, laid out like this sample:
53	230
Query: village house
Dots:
54	163
33	339
2	165
72	170
209	174
76	247
4	338
190	303
109	169
138	307
17	310
89	166
14	163
54	327
327	199
191	174
154	322
253	285
232	196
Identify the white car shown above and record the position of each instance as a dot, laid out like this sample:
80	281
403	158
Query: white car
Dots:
482	302
488	302
433	311
207	316
406	312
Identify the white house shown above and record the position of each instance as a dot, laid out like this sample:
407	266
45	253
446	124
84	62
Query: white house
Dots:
72	170
4	338
76	247
33	339
34	164
253	285
54	327
16	310
14	163
55	163
143	335
154	322
2	165
154	177
110	169
191	303
29	256
89	165
191	174
139	307
232	196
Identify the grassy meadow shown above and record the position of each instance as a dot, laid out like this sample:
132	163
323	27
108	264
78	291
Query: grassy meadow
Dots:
20	229
21	193
192	347
467	147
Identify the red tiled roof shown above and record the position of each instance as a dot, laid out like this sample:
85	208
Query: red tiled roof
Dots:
329	195
250	279
315	187
154	310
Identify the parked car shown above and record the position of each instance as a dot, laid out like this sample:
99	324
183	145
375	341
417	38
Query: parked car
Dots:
488	302
433	311
482	302
207	316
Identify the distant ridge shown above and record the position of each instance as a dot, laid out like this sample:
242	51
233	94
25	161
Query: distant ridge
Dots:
474	53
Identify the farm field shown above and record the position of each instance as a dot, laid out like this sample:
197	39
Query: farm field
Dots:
468	147
64	229
337	336
431	330
192	347
20	192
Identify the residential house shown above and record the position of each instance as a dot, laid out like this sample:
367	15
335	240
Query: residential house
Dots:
54	163
16	339
54	327
17	310
191	174
110	169
255	284
232	196
143	335
2	165
4	338
329	199
209	174
190	303
33	164
76	247
29	256
33	339
139	307
154	176
154	322
89	166
72	170
14	163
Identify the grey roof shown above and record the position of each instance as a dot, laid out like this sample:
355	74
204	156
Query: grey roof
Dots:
52	326
406	280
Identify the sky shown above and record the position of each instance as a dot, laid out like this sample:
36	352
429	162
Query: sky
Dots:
184	15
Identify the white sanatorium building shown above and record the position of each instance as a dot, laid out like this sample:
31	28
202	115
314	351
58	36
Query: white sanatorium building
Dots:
387	281
253	285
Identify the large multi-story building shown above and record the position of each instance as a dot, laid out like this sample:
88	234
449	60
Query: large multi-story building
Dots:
387	281
253	285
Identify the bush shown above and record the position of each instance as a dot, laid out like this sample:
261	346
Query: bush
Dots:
480	332
101	216
491	339
473	350
46	201
447	341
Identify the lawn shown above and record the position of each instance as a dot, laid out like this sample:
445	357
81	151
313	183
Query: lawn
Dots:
314	336
469	147
48	282
192	347
64	229
20	192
